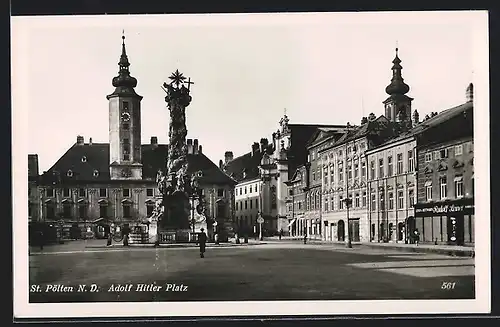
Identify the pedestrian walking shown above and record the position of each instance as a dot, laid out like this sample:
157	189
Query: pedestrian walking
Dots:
202	240
416	234
280	233
305	238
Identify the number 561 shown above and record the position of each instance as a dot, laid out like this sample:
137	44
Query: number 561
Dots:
448	285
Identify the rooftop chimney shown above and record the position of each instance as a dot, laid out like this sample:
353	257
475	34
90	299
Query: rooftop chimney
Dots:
228	156
154	140
79	139
200	149
90	141
255	148
364	120
263	144
189	146
221	164
416	118
195	146
469	93
33	169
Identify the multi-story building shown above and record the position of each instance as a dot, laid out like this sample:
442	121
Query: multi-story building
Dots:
296	201
444	212
96	185
251	193
274	161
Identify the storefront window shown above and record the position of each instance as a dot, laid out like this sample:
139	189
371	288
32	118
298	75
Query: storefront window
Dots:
443	187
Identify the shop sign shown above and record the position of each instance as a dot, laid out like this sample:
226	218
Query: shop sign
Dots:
442	209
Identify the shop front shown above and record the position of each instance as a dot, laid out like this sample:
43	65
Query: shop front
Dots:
446	222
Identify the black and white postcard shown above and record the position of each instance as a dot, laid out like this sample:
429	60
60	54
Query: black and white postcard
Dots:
251	164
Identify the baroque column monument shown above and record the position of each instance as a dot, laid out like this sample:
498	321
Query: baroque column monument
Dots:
177	187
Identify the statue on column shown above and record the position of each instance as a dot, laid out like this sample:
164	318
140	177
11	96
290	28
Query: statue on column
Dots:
173	184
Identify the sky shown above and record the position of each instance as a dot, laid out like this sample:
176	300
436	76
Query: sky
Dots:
246	68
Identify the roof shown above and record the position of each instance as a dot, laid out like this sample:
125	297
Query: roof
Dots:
85	159
245	167
432	122
376	131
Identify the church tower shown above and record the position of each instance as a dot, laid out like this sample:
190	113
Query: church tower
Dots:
124	124
398	104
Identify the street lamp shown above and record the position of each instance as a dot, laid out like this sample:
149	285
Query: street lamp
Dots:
348	200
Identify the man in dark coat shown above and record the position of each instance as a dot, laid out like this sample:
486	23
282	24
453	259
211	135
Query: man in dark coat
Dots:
202	240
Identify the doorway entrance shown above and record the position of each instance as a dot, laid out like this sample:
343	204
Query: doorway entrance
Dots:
340	231
354	229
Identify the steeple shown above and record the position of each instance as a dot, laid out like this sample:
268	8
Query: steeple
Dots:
398	104
397	86
124	83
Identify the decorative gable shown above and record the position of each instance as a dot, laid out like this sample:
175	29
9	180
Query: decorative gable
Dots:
428	170
442	166
458	164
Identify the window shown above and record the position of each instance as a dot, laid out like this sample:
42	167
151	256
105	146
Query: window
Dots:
300	205
389	166
102	192
443	187
257	203
428	191
96	173
374	202
332	173
246	204
341	202
84	159
50	192
317	202
391	201
363	169
356	200
356	170
459	186
149	192
332	202
326	204
103	211
401	199
318	173
82	210
65	192
399	167
314	175
66	210
436	155
349	171
220	192
372	170
126	149
411	165
149	210
443	153
126	210
458	150
411	197
81	192
428	157
251	204
382	203
340	153
245	190
325	175
307	204
381	168
126	192
51	211
69	173
256	188
363	201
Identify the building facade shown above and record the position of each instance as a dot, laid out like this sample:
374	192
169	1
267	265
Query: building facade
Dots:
95	186
33	198
444	213
296	203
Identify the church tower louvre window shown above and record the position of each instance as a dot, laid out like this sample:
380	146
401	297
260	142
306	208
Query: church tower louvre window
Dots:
125	152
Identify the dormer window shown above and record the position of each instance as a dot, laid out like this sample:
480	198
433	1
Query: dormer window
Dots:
84	159
69	173
96	173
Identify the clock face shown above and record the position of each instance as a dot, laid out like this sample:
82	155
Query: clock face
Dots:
125	116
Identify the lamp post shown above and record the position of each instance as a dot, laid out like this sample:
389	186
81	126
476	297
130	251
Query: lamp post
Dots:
348	200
